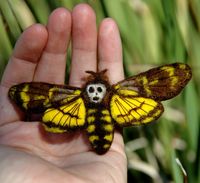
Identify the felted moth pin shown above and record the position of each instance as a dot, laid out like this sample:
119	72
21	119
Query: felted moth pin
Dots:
99	107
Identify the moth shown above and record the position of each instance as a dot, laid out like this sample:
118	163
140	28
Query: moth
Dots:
99	107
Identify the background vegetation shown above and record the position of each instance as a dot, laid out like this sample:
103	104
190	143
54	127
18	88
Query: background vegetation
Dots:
153	32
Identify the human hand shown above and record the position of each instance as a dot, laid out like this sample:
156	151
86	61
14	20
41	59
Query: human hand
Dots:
27	152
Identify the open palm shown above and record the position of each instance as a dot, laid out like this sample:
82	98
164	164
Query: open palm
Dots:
27	152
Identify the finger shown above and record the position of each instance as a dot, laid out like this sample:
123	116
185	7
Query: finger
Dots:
26	54
21	67
110	50
84	43
51	67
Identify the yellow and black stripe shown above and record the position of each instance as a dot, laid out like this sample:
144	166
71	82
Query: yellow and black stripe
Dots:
100	129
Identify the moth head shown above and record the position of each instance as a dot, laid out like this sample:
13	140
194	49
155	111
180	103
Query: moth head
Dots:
96	92
96	86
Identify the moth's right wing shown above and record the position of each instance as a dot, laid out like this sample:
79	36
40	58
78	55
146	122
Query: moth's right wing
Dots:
128	108
160	83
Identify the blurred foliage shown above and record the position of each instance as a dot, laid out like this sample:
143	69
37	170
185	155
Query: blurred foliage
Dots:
153	32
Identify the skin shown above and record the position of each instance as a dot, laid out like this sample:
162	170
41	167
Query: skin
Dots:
27	152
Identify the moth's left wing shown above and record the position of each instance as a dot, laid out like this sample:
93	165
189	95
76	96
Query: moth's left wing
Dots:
68	117
62	106
36	97
161	83
129	109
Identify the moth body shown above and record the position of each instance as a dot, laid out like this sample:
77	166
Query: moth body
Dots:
98	107
100	129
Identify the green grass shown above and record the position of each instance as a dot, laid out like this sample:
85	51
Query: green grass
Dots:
153	32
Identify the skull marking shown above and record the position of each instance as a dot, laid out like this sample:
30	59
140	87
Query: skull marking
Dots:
96	92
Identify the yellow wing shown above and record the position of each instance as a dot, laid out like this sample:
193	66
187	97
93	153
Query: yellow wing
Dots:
135	100
128	108
68	117
62	107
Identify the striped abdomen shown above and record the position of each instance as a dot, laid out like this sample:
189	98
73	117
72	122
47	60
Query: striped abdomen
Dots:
100	129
